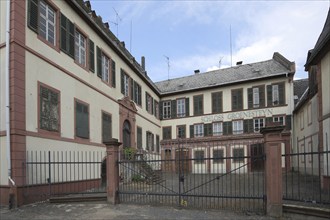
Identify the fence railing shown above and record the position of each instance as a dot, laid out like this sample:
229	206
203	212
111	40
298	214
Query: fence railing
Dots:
53	173
306	177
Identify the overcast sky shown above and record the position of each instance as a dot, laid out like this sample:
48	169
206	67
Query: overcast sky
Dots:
196	34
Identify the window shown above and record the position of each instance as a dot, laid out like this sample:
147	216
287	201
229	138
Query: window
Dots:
105	68
124	83
47	23
238	154
237	99
301	119
181	107
198	105
166	109
199	157
149	103
137	93
258	123
279	119
42	20
181	131
82	120
216	102
80	48
199	130
238	127
150	141
309	114
49	109
167	133
255	97
139	138
218	155
106	127
275	94
217	128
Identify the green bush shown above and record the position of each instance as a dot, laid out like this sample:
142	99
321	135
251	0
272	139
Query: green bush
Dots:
129	153
137	178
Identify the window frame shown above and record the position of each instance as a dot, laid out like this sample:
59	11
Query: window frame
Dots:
164	132
178	131
218	160
43	130
55	22
181	107
86	49
235	124
215	130
276	119
257	128
199	130
255	97
167	109
199	160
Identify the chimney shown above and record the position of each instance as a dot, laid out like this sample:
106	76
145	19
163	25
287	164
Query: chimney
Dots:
122	43
143	62
239	63
196	72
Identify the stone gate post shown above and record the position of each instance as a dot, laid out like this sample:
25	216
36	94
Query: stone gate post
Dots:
273	169
112	170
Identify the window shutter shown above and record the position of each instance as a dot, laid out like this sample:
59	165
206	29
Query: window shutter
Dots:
99	62
269	95
63	34
131	85
262	96
240	99
220	100
250	98
82	123
288	122
227	128
173	108
157	144
161	110
91	56
214	102
33	14
122	83
71	37
147	101
139	95
281	92
248	126
139	137
191	131
106	127
147	148
113	73
269	120
67	36
187	107
208	129
152	105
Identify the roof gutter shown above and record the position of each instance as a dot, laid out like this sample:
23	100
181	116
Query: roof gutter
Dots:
7	87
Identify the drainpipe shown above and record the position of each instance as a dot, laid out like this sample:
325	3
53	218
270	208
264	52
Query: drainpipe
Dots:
8	91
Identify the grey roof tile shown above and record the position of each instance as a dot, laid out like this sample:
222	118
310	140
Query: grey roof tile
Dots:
276	66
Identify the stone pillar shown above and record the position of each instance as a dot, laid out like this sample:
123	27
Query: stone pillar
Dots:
112	170
273	170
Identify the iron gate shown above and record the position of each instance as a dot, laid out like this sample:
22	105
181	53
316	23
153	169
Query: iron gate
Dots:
62	173
210	177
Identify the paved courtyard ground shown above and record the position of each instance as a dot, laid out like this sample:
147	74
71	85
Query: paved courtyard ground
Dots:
102	210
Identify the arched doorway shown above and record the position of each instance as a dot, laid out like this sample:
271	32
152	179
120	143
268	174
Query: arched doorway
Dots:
126	134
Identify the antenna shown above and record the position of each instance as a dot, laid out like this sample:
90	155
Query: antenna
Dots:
231	50
118	19
168	67
220	62
131	33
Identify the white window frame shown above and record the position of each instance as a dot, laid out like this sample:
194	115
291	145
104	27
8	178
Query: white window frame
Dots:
166	109
199	130
258	123
105	68
126	85
181	107
277	119
275	94
47	26
256	97
217	128
80	48
238	127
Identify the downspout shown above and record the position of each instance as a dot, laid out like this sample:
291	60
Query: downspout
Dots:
8	91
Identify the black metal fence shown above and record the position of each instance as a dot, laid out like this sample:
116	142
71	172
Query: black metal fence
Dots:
211	176
306	178
56	173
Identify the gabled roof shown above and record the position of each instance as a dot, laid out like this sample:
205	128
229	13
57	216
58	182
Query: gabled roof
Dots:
322	43
300	90
277	66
